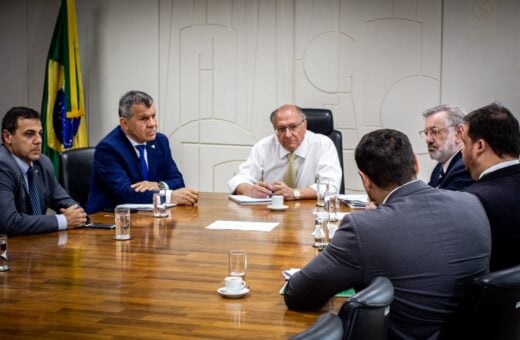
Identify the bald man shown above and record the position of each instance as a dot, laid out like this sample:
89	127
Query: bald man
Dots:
288	162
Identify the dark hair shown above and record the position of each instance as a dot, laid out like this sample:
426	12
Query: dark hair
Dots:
298	109
386	157
496	125
131	98
10	121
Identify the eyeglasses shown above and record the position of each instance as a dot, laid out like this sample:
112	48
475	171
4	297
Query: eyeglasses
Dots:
281	130
434	132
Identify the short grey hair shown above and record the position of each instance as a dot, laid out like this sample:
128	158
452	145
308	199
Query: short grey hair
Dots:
131	98
454	113
298	109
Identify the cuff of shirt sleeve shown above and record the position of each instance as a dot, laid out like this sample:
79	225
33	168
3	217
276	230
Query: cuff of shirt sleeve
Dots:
62	222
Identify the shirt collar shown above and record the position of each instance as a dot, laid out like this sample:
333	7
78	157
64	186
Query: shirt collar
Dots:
399	187
498	166
133	142
21	164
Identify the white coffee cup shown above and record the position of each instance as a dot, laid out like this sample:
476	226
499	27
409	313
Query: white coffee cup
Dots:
277	201
234	283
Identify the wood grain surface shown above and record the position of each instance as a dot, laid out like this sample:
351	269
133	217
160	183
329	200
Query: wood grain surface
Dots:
161	284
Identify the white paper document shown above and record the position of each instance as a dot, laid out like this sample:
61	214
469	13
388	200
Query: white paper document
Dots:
243	199
142	206
243	225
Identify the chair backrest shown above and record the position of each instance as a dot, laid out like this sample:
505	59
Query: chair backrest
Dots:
321	121
327	327
76	170
365	315
490	308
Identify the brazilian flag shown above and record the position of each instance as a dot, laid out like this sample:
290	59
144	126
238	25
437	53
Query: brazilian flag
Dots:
63	104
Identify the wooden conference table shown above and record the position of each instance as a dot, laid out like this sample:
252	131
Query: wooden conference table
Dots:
162	283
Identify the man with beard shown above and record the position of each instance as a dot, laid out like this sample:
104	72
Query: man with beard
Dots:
491	138
134	160
27	183
442	133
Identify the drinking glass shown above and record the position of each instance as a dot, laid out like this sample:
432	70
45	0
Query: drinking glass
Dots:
159	204
3	253
322	188
321	230
122	222
237	263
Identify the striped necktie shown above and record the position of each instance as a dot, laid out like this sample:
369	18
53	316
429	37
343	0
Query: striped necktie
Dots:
289	176
142	161
33	192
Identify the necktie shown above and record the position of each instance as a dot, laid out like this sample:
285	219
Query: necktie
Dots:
289	176
33	192
142	161
441	176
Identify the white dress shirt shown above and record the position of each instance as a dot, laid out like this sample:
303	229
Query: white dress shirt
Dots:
316	156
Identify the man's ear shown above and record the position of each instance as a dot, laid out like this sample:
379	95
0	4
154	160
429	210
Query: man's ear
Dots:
123	123
416	165
480	146
6	136
367	183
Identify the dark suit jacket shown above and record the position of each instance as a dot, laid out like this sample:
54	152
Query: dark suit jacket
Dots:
430	243
116	167
499	192
15	214
456	178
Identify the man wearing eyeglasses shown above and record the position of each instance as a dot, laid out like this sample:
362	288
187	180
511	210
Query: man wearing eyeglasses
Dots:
442	133
288	162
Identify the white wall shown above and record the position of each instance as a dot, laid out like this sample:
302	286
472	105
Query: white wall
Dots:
217	68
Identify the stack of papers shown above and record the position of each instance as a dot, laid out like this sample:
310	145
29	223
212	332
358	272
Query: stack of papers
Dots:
243	199
354	201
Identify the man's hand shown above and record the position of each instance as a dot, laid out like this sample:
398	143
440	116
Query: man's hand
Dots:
280	188
75	216
145	186
258	190
184	196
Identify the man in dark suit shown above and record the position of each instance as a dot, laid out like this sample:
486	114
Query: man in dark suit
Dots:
27	183
442	133
491	148
430	243
134	160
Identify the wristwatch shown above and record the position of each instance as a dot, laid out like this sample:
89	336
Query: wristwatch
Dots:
296	194
162	185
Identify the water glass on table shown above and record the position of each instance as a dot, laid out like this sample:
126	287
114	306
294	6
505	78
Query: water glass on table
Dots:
237	263
322	188
122	222
3	253
159	204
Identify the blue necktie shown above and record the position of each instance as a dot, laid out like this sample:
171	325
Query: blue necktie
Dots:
33	192
142	161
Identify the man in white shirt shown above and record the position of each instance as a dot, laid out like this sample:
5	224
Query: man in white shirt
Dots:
491	138
269	170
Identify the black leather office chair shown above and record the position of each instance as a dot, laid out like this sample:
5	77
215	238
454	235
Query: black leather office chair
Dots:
490	308
363	316
76	170
321	121
327	327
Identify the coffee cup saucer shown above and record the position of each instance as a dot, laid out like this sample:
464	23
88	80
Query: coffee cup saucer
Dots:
277	208
234	294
